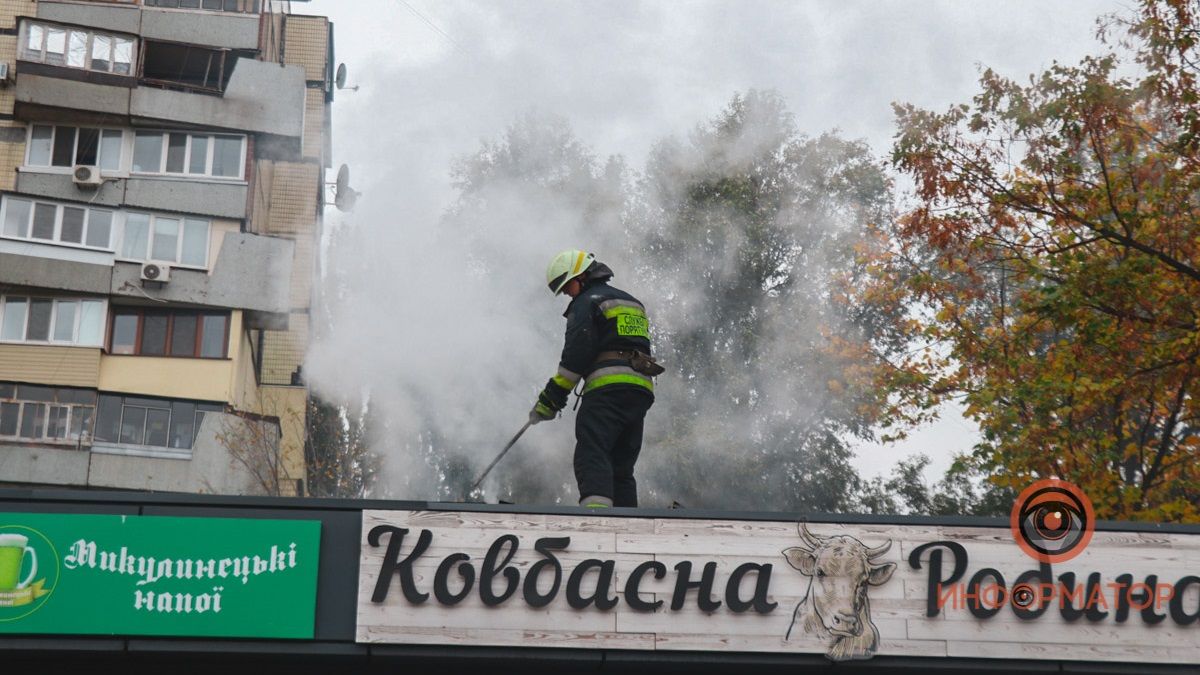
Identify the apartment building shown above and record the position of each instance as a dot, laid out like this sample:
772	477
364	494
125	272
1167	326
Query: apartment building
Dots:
162	175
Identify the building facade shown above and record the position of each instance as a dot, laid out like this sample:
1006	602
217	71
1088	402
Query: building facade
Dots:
162	173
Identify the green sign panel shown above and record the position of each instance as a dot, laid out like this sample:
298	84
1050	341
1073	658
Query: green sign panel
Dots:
152	575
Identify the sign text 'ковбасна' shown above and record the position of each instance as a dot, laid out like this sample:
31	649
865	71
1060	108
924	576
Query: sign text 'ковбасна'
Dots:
498	580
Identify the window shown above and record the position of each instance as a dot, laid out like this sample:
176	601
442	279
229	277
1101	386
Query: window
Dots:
177	153
52	320
46	414
154	422
166	239
63	146
158	332
186	66
246	6
57	223
75	47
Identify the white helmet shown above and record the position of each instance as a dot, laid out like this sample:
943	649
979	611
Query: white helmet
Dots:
565	267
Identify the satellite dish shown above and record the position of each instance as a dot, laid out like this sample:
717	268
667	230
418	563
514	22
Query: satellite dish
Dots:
339	80
343	178
344	196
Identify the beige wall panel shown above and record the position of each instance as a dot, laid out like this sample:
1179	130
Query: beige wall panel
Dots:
302	273
283	351
12	155
245	384
8	54
11	9
290	405
293	198
315	111
264	177
201	379
306	41
62	366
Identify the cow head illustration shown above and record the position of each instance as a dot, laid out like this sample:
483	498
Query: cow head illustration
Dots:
835	606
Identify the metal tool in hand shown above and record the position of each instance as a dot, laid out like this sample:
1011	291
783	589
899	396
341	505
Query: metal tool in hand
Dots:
499	457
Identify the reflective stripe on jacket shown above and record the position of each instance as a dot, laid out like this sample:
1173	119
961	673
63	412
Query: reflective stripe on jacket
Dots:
600	319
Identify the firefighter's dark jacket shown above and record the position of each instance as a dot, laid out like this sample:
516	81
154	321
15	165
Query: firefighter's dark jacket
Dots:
600	319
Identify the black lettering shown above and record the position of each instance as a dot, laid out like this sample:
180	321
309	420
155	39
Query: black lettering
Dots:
986	601
392	564
490	568
935	580
544	546
1039	579
603	585
762	583
1066	589
1149	599
441	589
1178	614
1121	586
683	582
635	580
1094	585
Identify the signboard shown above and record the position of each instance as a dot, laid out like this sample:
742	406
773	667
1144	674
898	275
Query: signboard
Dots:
842	590
148	575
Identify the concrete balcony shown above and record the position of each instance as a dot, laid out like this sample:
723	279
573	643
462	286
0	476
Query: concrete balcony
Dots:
61	268
208	467
226	30
219	199
252	272
261	97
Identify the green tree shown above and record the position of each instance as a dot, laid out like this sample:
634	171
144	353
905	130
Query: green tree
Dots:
750	233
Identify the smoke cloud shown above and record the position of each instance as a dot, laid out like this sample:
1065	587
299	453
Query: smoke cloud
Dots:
443	321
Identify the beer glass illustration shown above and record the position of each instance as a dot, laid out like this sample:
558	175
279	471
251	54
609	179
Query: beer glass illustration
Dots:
13	548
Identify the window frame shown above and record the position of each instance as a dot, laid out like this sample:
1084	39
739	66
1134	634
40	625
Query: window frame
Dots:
171	313
150	234
244	6
25	53
53	168
117	446
76	324
27	406
210	155
59	210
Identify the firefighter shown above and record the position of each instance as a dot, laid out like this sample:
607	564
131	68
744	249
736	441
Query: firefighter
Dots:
608	347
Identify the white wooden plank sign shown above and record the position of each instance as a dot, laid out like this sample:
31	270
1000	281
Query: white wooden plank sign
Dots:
846	591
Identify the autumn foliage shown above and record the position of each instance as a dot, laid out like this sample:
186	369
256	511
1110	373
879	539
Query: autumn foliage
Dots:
1051	262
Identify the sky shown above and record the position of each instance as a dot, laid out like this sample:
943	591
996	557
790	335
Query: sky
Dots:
436	78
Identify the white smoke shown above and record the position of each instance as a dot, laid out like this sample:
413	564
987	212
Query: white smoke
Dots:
423	329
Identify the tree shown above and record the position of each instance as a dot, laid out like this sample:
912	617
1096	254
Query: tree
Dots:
748	231
1051	259
338	458
254	440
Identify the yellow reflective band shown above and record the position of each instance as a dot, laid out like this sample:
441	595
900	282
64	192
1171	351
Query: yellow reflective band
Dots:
578	262
563	382
619	311
605	380
596	506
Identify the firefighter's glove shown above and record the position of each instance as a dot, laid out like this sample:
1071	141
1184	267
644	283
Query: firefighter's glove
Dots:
541	413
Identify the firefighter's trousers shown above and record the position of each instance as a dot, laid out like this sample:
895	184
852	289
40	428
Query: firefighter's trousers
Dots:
608	434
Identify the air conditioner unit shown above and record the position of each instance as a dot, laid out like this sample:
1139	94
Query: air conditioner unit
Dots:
156	272
84	175
4	72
